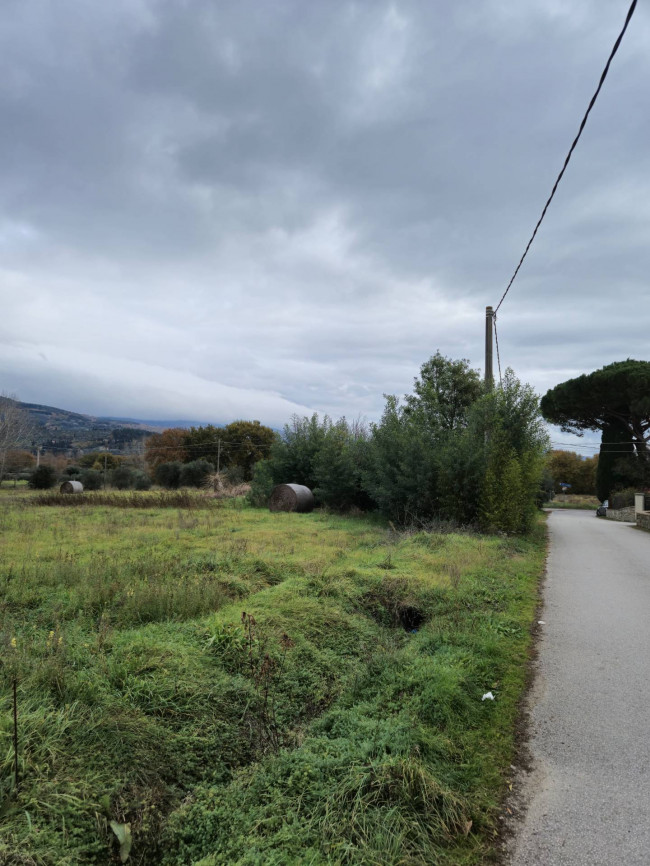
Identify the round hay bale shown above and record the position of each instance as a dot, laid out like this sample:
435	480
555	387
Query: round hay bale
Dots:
71	487
291	497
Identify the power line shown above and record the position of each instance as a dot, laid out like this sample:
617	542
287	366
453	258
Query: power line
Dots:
572	148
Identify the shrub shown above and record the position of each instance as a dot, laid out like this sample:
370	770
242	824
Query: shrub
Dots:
262	484
235	475
141	481
92	479
72	471
622	498
122	477
169	474
401	475
42	478
194	474
339	466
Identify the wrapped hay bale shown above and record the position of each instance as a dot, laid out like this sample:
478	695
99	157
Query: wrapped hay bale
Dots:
291	497
71	487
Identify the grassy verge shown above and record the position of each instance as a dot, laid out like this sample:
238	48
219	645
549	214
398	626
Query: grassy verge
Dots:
229	686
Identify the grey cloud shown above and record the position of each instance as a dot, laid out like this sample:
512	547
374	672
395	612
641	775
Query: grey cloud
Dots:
310	199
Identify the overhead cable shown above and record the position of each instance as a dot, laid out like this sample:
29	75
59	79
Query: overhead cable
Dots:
572	148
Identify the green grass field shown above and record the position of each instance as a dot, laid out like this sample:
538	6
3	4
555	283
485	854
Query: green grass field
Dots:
222	685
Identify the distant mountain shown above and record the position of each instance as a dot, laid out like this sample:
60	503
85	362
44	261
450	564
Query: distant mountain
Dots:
163	424
59	430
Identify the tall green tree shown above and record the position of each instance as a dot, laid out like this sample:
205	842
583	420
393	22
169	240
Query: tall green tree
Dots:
204	443
444	392
615	444
616	401
401	472
507	427
246	442
618	394
241	444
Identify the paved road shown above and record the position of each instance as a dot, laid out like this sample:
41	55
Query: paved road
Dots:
589	794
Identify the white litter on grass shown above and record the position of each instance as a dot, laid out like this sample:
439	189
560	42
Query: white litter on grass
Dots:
488	696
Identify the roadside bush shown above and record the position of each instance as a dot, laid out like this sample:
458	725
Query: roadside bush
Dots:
72	471
92	479
194	474
622	498
42	478
169	474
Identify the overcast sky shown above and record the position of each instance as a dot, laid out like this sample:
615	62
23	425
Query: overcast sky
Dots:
214	210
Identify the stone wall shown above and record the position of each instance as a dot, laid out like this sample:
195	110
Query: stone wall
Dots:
643	520
624	515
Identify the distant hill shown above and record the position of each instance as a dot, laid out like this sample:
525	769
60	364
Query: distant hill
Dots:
58	430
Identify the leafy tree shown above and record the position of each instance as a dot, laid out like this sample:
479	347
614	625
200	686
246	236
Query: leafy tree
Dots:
166	447
615	400
43	477
141	481
72	471
97	460
402	468
444	393
246	442
296	456
338	467
205	443
241	443
504	445
194	474
262	483
618	394
573	469
18	461
122	477
169	474
416	446
613	447
92	479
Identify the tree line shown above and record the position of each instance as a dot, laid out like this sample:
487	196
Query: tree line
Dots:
448	451
177	456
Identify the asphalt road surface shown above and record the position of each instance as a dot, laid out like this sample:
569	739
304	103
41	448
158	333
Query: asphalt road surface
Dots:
589	793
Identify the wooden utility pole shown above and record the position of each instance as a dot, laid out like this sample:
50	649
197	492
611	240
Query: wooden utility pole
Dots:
218	455
489	319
